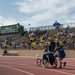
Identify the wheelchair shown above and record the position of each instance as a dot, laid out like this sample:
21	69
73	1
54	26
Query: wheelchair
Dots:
48	60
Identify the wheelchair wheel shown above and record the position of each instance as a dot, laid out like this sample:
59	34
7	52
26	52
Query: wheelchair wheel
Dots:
38	61
44	63
55	63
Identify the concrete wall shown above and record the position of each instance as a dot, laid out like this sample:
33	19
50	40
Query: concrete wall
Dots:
69	53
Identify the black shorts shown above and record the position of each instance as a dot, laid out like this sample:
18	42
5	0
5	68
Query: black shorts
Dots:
50	59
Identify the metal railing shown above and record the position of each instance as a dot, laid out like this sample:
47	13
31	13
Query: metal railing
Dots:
49	27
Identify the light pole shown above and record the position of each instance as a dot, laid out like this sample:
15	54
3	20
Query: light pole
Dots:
29	27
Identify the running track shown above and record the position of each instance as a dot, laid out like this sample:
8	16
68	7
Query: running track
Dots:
17	65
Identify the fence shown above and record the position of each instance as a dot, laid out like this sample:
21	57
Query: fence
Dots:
48	27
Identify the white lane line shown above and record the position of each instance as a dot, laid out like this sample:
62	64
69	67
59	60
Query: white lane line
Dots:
62	72
29	57
16	64
47	70
27	63
18	70
59	71
39	68
20	56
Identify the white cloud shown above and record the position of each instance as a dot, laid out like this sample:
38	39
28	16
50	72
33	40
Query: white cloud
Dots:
45	11
34	6
7	21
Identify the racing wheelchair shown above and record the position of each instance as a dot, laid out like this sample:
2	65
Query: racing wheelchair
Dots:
46	60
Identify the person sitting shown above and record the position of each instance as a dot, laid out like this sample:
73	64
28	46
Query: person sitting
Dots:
48	56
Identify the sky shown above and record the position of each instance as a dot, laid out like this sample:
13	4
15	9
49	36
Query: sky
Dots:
36	12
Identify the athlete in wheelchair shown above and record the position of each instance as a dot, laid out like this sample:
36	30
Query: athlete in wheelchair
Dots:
48	57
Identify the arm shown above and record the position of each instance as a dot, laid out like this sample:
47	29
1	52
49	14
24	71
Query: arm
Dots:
65	44
55	50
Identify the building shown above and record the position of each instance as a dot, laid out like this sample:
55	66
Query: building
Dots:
11	29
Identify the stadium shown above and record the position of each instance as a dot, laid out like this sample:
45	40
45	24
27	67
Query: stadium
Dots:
37	37
21	51
16	39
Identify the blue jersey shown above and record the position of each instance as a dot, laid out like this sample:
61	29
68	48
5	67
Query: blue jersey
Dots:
61	52
48	53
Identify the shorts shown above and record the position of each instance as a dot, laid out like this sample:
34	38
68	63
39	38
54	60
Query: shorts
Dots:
62	56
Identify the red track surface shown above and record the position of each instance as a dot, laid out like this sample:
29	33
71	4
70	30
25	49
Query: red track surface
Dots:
27	66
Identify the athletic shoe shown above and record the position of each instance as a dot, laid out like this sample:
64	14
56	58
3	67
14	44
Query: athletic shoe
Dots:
64	64
60	66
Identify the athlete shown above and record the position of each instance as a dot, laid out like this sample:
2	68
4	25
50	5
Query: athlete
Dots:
61	52
48	56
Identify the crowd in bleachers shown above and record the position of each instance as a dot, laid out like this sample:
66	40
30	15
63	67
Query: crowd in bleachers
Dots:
39	39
